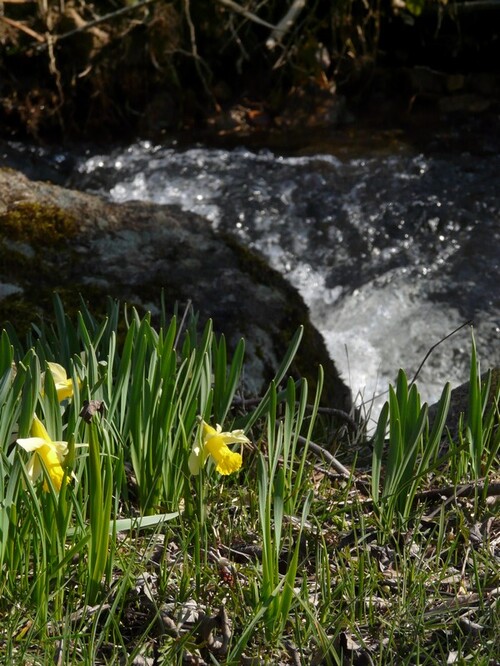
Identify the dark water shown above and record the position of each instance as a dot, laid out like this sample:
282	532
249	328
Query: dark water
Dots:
392	247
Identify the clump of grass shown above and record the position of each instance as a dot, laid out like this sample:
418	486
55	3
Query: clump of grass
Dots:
283	561
412	451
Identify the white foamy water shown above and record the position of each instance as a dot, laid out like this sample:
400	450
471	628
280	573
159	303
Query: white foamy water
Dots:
390	252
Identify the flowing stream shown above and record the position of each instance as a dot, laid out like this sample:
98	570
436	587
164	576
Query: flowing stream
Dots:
392	248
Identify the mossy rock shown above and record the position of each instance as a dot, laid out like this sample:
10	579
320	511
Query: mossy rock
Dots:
135	251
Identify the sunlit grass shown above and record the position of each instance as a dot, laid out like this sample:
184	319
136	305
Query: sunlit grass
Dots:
281	561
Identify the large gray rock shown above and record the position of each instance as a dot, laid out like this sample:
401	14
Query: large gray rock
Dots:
459	404
53	238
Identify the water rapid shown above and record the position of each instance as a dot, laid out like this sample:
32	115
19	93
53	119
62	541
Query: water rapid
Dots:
391	249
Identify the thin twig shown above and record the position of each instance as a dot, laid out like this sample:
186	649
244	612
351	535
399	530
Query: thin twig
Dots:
344	416
101	19
459	328
464	490
320	452
194	48
473	7
285	24
20	26
332	411
237	9
380	395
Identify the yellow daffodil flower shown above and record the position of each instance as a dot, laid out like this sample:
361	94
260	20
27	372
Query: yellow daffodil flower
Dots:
63	384
214	443
43	448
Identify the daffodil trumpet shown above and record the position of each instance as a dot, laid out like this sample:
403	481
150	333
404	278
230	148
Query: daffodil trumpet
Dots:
215	444
46	454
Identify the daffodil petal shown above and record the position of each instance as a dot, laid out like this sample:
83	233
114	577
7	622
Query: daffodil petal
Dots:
64	391
34	468
58	373
31	443
61	449
53	466
235	437
38	430
194	462
208	431
63	383
45	451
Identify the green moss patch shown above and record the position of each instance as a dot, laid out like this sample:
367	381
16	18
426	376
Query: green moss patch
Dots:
38	224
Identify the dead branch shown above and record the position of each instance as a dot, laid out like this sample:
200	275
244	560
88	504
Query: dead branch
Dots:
467	490
285	24
320	452
102	19
23	28
237	9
